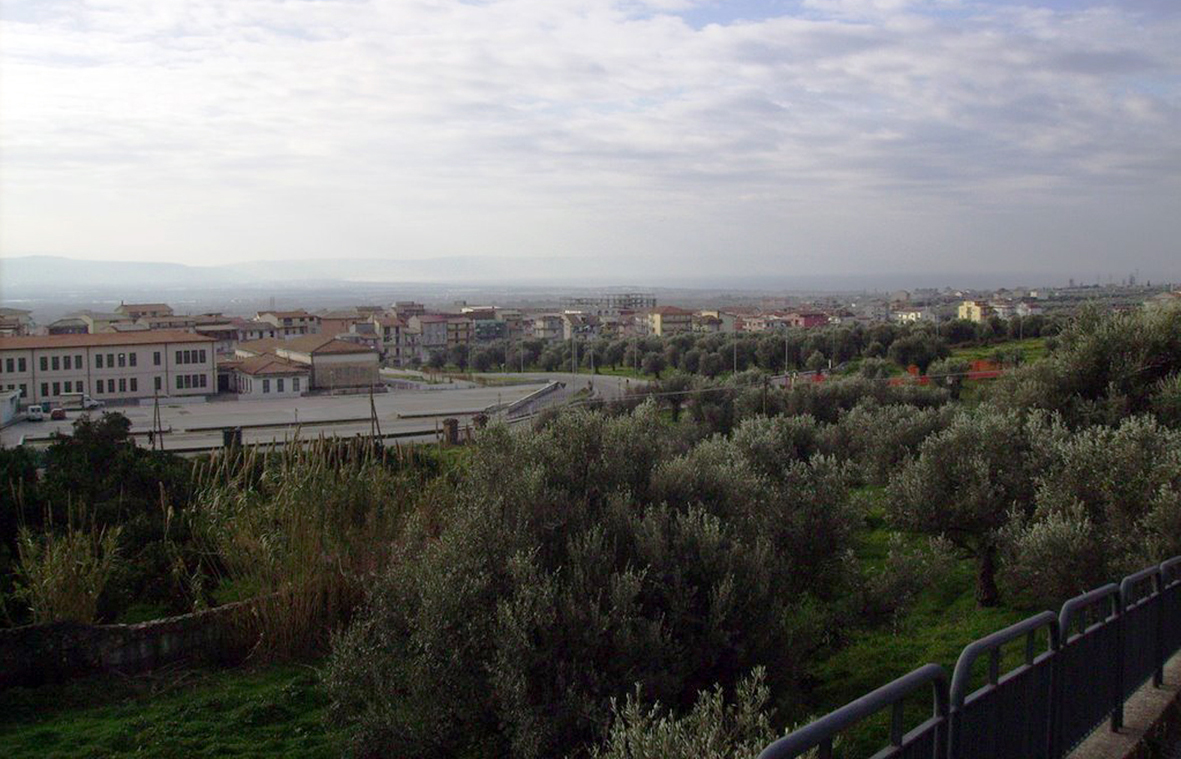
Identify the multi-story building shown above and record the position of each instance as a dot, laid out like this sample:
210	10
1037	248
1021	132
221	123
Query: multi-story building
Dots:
807	319
404	309
391	331
98	321
110	366
669	320
15	322
974	311
459	330
547	326
289	324
430	331
610	304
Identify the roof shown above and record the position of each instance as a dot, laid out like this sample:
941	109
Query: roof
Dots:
314	344
144	306
671	311
267	364
145	337
288	314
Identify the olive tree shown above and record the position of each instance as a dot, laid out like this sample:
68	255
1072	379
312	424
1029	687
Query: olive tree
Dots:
965	485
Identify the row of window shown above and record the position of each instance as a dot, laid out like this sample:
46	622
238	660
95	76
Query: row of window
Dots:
247	385
191	357
124	385
188	381
102	361
22	387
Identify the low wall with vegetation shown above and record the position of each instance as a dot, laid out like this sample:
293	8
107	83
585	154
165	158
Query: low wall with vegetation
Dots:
36	654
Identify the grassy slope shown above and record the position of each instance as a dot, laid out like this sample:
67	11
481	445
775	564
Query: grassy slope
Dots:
1032	348
271	712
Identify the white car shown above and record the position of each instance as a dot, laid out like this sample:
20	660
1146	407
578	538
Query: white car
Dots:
34	414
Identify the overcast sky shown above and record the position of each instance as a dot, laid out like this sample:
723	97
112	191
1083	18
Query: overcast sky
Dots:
808	137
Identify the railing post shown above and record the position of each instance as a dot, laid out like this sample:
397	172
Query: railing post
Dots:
1158	674
1117	709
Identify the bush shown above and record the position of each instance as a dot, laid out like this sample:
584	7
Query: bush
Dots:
578	560
713	729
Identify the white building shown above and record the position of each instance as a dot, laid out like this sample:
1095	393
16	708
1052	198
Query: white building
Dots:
267	376
108	366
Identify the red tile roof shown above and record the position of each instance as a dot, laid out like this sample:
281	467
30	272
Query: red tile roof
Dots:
145	337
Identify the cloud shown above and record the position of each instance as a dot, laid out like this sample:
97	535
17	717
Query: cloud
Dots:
262	128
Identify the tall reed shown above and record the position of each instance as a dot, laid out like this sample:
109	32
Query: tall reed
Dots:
62	575
301	527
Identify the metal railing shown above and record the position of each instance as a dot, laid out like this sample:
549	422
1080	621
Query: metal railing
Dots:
1078	668
922	741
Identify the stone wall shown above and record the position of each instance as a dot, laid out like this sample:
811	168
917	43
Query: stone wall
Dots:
58	651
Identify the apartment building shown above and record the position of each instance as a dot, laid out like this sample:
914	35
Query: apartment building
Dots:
669	320
110	366
289	324
974	311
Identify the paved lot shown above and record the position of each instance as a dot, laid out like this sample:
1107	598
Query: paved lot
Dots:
191	425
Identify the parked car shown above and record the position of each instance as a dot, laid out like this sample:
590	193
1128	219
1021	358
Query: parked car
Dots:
58	414
34	414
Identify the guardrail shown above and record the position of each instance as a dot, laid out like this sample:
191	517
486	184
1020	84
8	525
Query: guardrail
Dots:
1078	668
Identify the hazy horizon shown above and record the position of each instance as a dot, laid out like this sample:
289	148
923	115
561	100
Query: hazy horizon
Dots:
609	140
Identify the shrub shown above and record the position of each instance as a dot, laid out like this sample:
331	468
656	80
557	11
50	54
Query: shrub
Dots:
713	729
576	563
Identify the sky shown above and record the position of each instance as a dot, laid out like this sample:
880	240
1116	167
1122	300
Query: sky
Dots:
753	138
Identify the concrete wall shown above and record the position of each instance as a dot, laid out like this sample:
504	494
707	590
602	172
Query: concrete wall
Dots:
37	654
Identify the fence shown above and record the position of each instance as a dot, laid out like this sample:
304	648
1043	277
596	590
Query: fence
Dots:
1077	669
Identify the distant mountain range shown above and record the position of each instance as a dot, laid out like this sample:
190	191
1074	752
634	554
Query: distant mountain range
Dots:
37	276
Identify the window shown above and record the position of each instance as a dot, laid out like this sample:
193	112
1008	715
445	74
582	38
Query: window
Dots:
156	358
98	387
266	386
44	364
204	380
57	388
98	361
188	381
110	360
44	389
131	359
21	363
295	384
78	361
159	381
122	385
202	357
24	390
134	385
110	386
279	385
180	384
178	359
9	365
65	362
122	360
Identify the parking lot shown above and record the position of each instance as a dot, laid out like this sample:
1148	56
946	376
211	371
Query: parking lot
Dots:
192	425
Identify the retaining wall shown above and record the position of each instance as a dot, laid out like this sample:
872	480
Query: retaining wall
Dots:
57	651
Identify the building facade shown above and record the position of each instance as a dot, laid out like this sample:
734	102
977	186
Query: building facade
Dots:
110	367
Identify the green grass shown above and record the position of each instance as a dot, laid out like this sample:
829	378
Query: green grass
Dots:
1033	349
271	712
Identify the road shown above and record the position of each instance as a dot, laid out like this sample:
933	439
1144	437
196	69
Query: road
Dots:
195	425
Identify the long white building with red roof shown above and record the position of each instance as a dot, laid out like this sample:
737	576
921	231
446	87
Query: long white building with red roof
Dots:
113	366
